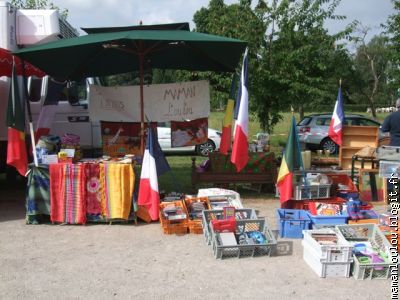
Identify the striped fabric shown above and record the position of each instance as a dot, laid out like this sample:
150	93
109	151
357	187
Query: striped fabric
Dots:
67	193
117	185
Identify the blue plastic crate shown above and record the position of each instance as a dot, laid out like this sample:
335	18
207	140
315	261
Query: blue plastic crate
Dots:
335	219
292	222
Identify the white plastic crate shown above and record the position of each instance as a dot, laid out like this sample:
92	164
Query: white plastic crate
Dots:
324	269
312	191
388	167
368	233
339	252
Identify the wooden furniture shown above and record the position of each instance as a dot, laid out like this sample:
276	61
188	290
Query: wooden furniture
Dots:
261	169
354	138
370	185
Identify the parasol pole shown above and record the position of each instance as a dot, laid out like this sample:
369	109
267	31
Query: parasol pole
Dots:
141	62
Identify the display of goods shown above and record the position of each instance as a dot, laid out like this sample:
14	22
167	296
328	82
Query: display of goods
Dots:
312	191
194	207
365	216
372	253
251	238
208	215
173	217
292	222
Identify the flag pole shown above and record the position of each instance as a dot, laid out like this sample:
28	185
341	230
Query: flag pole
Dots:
28	106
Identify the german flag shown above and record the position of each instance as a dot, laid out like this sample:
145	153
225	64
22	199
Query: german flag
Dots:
291	160
16	147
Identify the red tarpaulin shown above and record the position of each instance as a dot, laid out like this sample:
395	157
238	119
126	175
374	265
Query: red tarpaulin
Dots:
6	64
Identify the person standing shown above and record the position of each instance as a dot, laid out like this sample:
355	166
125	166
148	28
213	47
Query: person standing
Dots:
391	124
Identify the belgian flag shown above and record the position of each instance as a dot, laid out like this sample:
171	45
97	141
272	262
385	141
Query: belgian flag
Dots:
291	160
16	147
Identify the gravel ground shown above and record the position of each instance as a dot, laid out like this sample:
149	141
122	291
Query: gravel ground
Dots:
126	261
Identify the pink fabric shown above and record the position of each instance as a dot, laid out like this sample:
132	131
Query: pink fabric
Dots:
93	204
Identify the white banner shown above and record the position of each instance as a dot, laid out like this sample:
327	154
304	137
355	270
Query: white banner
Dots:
162	102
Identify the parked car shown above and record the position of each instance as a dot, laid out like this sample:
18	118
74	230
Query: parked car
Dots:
313	130
164	138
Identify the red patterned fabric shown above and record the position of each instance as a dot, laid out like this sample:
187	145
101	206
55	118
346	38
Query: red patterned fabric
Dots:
67	193
93	199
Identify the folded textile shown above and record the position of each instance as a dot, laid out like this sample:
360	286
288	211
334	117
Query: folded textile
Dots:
92	173
67	193
117	185
37	200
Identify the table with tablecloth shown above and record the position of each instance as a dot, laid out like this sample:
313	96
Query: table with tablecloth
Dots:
77	193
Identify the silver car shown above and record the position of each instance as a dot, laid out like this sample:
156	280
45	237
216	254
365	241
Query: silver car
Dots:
313	130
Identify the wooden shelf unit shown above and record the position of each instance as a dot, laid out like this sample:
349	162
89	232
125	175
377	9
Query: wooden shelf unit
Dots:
355	138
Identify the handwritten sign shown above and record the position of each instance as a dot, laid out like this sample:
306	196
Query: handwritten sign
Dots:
162	102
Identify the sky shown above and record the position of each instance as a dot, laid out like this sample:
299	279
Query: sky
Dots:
101	13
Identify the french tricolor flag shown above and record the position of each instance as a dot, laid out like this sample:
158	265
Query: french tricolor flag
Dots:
335	127
240	148
153	159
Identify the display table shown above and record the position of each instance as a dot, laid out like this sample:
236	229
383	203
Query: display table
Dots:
260	169
77	193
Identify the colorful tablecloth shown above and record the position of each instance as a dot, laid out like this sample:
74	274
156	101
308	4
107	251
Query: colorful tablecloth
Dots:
117	185
77	193
68	193
259	162
37	201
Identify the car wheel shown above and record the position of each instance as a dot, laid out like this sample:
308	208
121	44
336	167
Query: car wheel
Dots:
206	148
328	144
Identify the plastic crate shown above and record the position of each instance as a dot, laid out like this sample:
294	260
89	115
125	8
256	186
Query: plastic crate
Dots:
195	223
311	191
208	215
370	217
339	252
173	226
292	222
388	167
240	251
325	269
334	219
368	233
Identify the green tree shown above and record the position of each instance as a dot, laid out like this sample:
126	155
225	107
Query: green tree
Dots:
393	29
371	64
293	60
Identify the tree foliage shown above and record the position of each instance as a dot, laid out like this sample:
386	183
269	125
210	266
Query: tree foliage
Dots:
293	59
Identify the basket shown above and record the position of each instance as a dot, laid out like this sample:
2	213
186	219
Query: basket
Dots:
208	215
173	226
292	222
322	268
312	191
328	220
370	217
339	252
195	223
248	250
368	233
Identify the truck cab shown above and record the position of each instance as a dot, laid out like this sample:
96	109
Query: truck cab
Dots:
27	27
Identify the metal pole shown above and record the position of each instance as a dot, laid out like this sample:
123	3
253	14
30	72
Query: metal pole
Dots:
141	62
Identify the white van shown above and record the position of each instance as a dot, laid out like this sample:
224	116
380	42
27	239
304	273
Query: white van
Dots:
24	28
